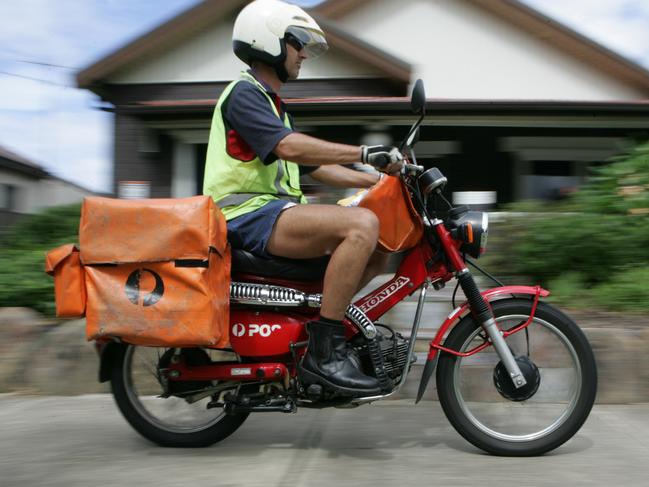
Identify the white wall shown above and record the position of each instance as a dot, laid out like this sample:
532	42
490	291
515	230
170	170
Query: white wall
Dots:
208	56
36	194
55	192
459	50
462	52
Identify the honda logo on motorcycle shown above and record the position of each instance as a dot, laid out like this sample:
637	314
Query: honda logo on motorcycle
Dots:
384	294
263	330
133	288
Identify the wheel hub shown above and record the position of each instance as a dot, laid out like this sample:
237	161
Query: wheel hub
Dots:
505	385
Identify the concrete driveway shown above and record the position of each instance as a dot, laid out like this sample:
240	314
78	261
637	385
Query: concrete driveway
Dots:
83	441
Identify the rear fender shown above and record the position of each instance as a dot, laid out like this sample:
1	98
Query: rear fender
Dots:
108	351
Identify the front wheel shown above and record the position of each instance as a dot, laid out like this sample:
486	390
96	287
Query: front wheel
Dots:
488	412
169	418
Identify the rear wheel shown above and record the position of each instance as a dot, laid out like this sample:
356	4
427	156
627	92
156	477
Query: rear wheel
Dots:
487	411
169	420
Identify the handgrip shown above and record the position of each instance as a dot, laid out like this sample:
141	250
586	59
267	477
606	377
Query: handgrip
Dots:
381	160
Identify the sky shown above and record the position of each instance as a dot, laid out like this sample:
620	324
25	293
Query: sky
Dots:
43	43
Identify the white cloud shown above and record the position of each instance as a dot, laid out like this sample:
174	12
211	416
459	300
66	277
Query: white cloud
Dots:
55	126
24	92
74	145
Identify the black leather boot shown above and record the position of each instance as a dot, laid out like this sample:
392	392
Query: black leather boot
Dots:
327	361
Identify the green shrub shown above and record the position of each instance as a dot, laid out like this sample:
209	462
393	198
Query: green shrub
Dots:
48	228
569	288
619	188
626	291
593	245
593	249
23	281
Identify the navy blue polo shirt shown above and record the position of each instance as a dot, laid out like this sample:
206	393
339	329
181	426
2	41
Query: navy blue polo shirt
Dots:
248	113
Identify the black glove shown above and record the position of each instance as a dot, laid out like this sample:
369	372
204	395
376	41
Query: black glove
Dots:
380	156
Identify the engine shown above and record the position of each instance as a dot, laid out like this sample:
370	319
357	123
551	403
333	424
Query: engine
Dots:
393	347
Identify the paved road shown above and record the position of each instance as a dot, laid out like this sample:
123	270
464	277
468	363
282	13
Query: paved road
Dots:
83	441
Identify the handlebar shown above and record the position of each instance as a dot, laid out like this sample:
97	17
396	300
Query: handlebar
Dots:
381	160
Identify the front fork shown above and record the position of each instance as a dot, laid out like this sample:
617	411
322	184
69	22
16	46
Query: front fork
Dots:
478	305
483	314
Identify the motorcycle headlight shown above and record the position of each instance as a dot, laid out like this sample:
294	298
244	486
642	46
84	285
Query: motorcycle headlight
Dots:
472	229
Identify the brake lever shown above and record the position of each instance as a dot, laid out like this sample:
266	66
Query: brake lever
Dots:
409	168
412	169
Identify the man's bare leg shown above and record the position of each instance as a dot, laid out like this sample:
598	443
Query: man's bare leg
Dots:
349	235
375	266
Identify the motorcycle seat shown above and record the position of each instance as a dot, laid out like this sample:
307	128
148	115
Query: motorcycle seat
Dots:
244	262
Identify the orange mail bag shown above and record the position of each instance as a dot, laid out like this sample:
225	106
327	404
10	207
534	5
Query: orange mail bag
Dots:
157	271
69	281
400	225
150	230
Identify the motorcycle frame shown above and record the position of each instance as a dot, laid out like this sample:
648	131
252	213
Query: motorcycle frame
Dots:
420	268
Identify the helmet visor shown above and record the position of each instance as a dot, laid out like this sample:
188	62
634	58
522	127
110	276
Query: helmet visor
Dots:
300	38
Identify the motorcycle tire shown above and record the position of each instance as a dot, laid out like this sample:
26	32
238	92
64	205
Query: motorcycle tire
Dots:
496	417
142	408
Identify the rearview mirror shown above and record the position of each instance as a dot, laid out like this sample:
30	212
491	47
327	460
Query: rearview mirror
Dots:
418	98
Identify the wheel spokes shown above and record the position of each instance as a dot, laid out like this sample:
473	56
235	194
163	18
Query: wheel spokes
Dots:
144	389
542	413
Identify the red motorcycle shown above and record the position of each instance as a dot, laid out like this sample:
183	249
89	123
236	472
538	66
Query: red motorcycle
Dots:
515	376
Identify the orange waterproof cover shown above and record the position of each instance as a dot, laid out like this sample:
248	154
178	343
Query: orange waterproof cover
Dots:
400	226
69	284
171	304
150	230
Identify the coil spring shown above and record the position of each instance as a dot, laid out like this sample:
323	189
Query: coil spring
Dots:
285	294
243	291
475	299
359	318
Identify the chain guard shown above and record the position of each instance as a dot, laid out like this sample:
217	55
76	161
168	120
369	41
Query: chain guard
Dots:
191	357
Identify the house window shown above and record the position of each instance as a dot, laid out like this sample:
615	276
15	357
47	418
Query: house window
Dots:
8	196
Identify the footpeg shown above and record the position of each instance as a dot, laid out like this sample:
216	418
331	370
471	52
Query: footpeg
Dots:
278	404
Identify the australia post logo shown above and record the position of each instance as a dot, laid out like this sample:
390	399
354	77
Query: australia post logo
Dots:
144	287
384	294
252	329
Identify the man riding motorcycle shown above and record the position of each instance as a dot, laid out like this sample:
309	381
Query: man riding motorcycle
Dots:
253	165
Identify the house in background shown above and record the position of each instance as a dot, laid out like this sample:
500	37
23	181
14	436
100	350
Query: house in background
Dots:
519	105
27	188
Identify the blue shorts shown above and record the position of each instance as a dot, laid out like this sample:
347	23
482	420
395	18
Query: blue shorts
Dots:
251	231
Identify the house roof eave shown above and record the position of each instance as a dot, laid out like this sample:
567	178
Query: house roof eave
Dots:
201	16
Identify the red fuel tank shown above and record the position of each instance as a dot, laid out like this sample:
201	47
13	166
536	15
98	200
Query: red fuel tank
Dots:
265	333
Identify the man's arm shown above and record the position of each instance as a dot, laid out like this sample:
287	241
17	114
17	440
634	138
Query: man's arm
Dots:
342	177
309	151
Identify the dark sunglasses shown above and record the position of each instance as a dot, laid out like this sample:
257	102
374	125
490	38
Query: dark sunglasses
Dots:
294	42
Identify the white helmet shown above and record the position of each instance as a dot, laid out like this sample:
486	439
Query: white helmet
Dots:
261	30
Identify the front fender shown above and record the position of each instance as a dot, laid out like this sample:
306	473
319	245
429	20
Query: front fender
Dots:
457	314
489	295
